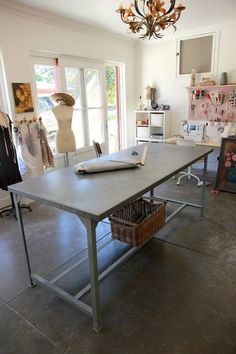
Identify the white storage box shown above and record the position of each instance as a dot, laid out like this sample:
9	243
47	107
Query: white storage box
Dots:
142	132
157	119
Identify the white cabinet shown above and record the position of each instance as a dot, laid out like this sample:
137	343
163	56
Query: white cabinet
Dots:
153	126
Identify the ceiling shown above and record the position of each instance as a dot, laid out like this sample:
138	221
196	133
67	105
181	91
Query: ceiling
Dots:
101	13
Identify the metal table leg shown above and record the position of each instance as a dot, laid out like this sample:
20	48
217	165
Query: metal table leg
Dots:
22	233
151	195
90	226
203	189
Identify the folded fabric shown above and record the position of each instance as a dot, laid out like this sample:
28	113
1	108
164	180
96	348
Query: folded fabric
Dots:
105	165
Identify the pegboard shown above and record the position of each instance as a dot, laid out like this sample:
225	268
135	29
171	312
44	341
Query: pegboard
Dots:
212	103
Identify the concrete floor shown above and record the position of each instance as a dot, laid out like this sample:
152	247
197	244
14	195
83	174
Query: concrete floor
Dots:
177	295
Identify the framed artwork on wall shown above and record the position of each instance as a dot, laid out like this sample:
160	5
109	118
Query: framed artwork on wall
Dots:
22	97
197	53
226	174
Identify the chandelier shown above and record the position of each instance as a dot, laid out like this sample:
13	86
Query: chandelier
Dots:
150	17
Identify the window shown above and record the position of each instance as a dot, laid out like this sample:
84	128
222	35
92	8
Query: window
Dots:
73	86
46	79
84	82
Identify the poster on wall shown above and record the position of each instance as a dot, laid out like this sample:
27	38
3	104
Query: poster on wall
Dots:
226	175
23	97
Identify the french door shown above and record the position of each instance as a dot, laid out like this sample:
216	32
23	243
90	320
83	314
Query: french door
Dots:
85	82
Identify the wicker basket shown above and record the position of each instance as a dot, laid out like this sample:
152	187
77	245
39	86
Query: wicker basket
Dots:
137	221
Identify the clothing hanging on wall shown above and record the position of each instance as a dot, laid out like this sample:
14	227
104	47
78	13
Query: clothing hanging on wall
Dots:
9	170
33	150
28	148
46	152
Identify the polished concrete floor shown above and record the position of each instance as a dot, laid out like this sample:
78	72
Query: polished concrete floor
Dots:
177	295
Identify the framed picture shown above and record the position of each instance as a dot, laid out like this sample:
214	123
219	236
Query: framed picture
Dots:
198	52
22	97
226	174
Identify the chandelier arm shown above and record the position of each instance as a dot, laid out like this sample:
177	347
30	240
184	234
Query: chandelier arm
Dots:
171	7
155	34
137	8
144	7
178	15
129	21
173	21
168	18
122	18
157	22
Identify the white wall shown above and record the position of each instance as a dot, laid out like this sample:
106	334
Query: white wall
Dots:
156	65
20	35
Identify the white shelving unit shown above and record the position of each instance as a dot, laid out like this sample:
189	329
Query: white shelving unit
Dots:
152	126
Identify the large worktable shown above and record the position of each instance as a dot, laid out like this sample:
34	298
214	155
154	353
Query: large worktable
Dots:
94	197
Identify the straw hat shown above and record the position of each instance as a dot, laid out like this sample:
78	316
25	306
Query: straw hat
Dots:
57	97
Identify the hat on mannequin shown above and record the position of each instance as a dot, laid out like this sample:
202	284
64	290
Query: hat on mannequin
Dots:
67	99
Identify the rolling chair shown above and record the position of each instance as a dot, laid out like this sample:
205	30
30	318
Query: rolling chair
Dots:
97	148
188	173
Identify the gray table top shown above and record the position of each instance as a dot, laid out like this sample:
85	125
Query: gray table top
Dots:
97	195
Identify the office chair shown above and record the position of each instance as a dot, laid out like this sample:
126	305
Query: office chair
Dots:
188	173
97	148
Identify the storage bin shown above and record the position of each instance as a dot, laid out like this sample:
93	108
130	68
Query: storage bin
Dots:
143	132
157	119
136	222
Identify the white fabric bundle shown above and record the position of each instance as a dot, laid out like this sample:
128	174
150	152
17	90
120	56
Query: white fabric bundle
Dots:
105	165
120	161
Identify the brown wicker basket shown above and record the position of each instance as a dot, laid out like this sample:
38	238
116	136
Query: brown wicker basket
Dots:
137	221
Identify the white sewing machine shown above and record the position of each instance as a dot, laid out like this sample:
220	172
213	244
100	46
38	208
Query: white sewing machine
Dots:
203	131
197	132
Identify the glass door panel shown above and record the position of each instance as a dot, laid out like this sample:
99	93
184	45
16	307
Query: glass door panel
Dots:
78	128
84	83
92	87
96	125
73	85
46	84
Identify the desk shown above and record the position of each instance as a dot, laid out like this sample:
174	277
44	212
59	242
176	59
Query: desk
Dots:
94	197
210	143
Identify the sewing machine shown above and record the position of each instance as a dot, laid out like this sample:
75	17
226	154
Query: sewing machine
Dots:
195	131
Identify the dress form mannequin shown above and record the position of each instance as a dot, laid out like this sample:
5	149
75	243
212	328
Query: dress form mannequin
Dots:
65	139
63	112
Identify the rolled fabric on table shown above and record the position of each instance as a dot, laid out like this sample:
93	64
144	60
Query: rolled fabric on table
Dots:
108	164
105	165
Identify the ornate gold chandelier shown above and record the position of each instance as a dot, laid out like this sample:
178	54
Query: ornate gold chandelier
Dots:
150	17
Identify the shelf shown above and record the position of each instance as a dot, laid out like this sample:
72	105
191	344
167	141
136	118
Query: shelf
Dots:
152	111
150	140
149	125
210	87
152	126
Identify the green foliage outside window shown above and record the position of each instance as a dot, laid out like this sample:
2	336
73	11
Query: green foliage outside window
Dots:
44	73
111	86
